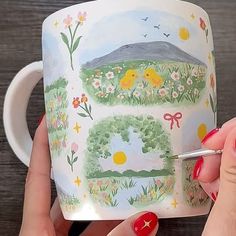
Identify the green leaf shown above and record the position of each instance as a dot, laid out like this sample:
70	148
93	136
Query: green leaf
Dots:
212	103
86	107
65	39
76	158
68	160
207	32
82	114
90	109
76	44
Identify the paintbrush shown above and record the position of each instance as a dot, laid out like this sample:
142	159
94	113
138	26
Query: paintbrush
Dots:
193	154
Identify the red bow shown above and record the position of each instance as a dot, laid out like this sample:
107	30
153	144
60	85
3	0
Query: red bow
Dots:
173	118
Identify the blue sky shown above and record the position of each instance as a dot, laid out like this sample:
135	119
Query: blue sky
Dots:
112	32
126	28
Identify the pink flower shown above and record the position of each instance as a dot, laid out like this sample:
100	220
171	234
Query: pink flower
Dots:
82	17
74	147
90	185
68	21
99	183
158	183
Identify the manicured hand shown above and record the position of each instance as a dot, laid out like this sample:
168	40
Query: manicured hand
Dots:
217	175
39	219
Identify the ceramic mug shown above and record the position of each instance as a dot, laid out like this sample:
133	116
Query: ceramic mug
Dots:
127	84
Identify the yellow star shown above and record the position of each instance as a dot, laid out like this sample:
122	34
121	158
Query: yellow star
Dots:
77	181
207	103
77	127
193	16
174	203
55	23
146	224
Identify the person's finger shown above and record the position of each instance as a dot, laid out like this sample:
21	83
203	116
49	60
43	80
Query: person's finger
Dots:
222	220
207	169
227	190
38	188
211	188
144	223
61	225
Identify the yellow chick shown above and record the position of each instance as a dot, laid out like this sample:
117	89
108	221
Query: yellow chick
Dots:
127	82
154	79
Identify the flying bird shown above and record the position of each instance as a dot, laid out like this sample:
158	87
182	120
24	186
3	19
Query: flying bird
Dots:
145	19
167	35
153	78
157	26
145	35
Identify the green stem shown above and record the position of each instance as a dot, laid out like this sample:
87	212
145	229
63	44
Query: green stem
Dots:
70	48
86	112
73	37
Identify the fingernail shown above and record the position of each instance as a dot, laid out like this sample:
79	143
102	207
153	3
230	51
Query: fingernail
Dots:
210	134
41	118
145	224
214	196
197	168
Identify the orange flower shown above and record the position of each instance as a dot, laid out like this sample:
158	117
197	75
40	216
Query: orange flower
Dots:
212	81
82	17
76	102
84	98
202	24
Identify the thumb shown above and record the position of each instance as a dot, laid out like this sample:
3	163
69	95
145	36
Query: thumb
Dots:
227	189
144	223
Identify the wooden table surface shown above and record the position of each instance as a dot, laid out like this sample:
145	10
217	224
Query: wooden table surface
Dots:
20	44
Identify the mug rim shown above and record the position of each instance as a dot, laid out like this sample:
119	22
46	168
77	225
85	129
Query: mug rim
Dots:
95	1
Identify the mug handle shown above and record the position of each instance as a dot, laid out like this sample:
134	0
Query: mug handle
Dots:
14	110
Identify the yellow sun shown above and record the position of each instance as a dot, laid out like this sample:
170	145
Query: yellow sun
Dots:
184	33
202	131
119	158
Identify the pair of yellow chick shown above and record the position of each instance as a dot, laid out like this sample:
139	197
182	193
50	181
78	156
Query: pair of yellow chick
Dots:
127	82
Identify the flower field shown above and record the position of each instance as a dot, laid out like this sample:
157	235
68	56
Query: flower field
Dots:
145	82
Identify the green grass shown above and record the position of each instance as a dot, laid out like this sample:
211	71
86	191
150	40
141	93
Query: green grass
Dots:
192	82
57	118
150	131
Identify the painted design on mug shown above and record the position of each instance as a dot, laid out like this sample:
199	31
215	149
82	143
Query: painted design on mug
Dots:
173	119
144	82
77	127
82	104
68	203
193	192
71	39
77	181
212	96
71	158
123	161
157	63
57	118
204	27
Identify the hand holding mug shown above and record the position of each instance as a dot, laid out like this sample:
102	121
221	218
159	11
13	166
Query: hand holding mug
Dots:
38	219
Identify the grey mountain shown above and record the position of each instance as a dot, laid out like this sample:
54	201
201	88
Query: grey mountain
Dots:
157	51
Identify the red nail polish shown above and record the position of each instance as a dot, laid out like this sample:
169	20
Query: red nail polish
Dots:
41	118
145	224
197	168
210	134
214	196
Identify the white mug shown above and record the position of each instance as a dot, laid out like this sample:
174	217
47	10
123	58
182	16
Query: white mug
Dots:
127	84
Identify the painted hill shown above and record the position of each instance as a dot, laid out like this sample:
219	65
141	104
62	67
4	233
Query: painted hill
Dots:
157	51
